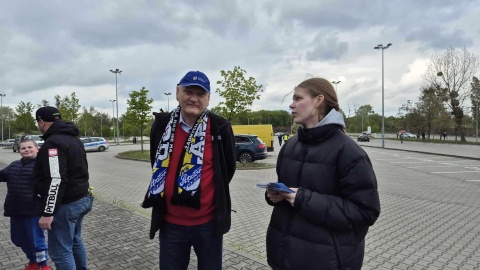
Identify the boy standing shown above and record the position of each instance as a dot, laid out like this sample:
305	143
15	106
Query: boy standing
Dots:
23	207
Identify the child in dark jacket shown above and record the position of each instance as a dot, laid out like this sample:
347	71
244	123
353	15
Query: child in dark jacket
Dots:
23	207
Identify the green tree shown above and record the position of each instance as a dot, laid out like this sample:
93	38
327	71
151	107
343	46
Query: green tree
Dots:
362	114
238	92
139	111
43	103
6	116
430	105
24	121
68	107
454	68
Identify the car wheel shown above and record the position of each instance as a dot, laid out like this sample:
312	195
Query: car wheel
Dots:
101	148
245	157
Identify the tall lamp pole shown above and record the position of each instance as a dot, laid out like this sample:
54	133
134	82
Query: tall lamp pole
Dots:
336	82
408	112
117	71
1	109
476	121
381	47
168	101
113	116
101	123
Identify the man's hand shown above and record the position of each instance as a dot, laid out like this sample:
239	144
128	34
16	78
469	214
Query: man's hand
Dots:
45	223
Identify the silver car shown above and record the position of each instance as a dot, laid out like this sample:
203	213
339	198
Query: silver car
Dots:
8	142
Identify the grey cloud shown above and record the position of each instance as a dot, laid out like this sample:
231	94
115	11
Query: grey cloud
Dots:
348	14
327	48
439	37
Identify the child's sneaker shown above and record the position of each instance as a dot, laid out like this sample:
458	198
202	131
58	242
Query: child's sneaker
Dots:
45	267
31	266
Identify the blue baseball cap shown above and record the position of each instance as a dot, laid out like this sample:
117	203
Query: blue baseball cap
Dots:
196	78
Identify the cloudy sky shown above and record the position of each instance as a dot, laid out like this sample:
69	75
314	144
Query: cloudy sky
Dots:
57	47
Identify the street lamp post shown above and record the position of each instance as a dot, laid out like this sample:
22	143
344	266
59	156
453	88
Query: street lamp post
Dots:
117	71
476	123
101	123
9	124
113	117
408	112
1	109
336	82
363	114
381	47
168	101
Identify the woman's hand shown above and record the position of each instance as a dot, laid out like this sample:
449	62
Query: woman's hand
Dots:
289	197
274	196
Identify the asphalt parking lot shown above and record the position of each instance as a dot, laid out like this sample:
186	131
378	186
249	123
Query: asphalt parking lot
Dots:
429	220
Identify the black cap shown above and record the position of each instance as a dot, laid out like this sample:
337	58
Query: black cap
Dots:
48	114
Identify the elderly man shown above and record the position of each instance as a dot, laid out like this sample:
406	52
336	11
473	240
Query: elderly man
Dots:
192	153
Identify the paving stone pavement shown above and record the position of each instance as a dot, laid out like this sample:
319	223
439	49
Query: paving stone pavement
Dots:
115	239
428	221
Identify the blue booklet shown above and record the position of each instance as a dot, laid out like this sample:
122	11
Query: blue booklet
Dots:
276	186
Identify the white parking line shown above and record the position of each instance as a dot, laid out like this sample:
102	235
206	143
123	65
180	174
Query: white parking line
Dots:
459	172
441	166
399	162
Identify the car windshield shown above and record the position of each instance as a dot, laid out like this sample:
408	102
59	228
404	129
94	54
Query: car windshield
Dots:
260	140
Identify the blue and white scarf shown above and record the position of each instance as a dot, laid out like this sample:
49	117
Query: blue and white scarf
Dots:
189	172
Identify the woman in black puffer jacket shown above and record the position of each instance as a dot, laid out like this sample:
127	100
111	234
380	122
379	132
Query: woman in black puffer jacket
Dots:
324	223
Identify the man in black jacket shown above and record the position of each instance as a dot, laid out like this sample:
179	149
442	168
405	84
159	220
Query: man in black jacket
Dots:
61	174
192	153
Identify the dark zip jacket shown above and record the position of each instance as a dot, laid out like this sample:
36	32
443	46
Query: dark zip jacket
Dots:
336	202
61	171
224	165
21	200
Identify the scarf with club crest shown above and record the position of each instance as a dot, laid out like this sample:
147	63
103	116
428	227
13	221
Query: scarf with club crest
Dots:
187	185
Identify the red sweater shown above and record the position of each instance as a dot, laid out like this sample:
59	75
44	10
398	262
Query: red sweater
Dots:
183	215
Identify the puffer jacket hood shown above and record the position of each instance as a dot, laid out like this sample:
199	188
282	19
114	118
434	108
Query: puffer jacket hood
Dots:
333	117
326	128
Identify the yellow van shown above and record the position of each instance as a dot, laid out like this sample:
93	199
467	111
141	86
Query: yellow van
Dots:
264	132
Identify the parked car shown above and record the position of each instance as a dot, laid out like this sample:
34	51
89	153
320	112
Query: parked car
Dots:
409	135
367	132
363	138
249	148
95	144
18	139
8	142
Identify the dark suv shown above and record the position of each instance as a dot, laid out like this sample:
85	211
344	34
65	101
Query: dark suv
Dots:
249	148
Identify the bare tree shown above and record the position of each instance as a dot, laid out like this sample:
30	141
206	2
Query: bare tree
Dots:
454	68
